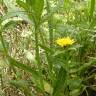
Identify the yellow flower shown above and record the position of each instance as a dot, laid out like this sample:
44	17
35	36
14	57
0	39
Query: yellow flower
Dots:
65	41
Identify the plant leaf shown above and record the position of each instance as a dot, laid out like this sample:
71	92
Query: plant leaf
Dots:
24	67
36	9
60	82
22	4
23	86
92	8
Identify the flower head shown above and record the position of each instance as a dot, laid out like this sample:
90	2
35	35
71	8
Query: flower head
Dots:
65	41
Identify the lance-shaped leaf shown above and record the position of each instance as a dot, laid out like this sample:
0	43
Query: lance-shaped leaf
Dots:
36	7
60	82
33	8
92	8
24	67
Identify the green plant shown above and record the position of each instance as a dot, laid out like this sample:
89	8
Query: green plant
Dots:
64	70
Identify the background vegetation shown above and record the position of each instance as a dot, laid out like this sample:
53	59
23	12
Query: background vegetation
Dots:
32	63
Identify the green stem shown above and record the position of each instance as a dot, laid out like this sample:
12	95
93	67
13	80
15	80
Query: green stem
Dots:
50	25
50	31
38	56
2	41
51	35
48	59
5	50
2	82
